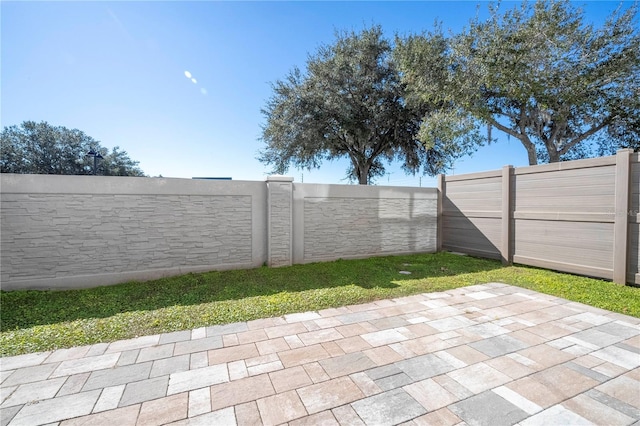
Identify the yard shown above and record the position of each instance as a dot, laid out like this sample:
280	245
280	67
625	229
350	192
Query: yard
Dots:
34	321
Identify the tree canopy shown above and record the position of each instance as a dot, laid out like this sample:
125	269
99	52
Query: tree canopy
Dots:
41	148
350	102
543	75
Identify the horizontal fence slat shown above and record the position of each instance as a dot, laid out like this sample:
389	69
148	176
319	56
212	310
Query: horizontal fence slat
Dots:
564	267
472	251
567	165
565	216
474	213
474	176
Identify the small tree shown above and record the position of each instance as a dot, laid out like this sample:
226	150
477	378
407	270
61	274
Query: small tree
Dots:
40	148
350	103
539	73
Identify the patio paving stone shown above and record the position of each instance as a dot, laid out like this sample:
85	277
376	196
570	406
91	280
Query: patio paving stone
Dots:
329	394
344	365
35	373
247	414
128	357
479	377
164	410
126	416
430	394
73	384
117	376
167	366
324	418
33	392
555	415
144	390
195	379
346	415
498	345
389	408
83	365
478	355
109	398
488	408
281	408
240	391
290	378
56	409
199	345
602	415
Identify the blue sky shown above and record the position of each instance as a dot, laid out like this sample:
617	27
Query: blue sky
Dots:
117	71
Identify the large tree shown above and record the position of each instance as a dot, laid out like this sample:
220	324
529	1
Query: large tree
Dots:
543	75
350	103
41	148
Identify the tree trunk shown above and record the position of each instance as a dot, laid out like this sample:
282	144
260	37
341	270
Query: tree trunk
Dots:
531	150
554	155
533	156
363	179
363	174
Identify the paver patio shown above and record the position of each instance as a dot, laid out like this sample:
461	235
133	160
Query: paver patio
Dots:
489	354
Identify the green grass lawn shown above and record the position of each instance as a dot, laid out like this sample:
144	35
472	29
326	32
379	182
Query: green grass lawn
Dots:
43	320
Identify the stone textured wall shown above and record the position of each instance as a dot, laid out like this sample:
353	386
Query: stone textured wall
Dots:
76	234
62	236
349	221
350	227
82	231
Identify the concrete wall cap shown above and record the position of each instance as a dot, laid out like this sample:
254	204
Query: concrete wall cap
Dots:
279	178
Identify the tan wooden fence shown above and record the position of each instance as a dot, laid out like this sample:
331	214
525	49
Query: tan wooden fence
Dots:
579	216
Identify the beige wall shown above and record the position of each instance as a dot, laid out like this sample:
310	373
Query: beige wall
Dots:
80	231
347	221
579	216
77	231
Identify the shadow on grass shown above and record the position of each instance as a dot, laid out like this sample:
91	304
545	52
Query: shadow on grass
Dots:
24	309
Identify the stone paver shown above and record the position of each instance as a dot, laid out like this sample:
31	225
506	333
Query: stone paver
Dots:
56	409
488	408
485	354
144	390
165	366
247	413
30	374
33	392
126	416
109	398
164	410
389	408
117	376
281	408
195	379
84	365
241	391
329	394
